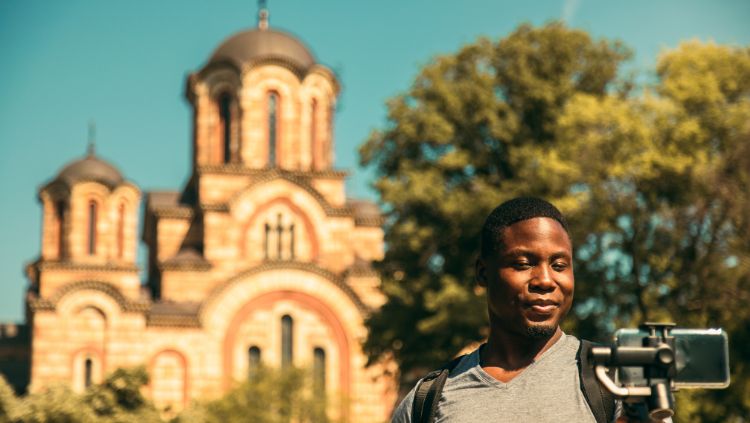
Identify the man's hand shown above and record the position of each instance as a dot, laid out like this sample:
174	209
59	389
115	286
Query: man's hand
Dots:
636	412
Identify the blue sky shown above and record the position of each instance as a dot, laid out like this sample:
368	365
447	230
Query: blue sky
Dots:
123	64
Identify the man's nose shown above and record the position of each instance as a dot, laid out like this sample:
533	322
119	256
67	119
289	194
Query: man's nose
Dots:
542	279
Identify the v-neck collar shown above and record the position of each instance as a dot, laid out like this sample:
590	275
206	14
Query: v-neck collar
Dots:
482	374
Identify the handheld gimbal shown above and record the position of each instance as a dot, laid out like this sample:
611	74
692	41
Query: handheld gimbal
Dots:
657	358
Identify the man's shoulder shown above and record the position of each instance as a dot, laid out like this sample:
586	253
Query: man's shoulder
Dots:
458	366
463	363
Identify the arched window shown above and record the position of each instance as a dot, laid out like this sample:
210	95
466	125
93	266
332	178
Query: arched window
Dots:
279	236
88	373
266	235
327	147
278	239
225	124
253	360
121	231
314	132
291	241
319	370
92	228
286	341
273	112
60	219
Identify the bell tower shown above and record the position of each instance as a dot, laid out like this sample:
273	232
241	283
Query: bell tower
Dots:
86	273
89	225
262	102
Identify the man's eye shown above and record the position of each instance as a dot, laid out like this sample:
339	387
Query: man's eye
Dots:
521	265
559	266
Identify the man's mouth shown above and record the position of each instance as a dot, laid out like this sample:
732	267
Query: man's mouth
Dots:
542	306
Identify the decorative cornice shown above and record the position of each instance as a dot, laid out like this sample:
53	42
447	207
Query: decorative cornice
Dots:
299	71
299	178
179	321
40	304
185	266
217	65
219	207
358	272
173	212
239	169
57	185
272	265
369	221
56	189
91	267
50	304
302	182
242	68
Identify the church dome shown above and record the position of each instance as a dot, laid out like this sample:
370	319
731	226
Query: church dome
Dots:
90	168
258	45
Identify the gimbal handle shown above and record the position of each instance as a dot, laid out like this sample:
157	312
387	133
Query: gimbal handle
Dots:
658	356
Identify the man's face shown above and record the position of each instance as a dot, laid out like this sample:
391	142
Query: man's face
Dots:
530	279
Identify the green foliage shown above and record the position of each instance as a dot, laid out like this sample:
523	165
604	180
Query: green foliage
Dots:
116	400
269	396
667	175
8	401
466	136
119	397
56	404
653	181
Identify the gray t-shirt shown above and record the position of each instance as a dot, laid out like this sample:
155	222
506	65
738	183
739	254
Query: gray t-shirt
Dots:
548	390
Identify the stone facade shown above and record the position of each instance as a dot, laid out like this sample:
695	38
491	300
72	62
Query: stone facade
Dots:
260	257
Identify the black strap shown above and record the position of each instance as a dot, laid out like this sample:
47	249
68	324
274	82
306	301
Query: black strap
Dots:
600	400
428	391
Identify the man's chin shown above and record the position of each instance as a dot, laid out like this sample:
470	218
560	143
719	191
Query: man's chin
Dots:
541	331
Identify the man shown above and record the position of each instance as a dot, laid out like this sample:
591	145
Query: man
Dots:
528	370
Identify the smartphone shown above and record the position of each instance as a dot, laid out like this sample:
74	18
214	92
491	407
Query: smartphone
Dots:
701	356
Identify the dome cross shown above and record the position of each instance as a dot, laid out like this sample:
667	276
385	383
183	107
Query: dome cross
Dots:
262	14
91	148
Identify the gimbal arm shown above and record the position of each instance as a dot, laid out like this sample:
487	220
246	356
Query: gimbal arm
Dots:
657	357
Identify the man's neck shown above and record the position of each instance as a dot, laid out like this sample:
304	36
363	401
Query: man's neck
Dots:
506	354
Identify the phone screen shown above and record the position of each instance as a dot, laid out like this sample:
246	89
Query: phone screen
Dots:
702	357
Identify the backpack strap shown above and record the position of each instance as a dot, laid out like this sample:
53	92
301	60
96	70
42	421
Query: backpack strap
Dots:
600	400
428	391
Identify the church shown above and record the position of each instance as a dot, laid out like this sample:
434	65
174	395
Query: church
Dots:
261	257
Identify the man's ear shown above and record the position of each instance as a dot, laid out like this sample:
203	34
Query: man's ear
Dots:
480	272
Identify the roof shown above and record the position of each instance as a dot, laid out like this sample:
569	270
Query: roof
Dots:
90	168
256	45
173	314
158	199
366	213
361	267
187	258
172	308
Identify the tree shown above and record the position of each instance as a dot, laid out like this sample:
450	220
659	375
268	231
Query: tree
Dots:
670	238
466	136
653	180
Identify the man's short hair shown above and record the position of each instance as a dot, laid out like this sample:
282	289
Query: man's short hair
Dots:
513	211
